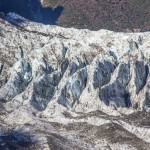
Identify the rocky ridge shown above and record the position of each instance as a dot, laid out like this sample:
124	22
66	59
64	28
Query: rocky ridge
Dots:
65	81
